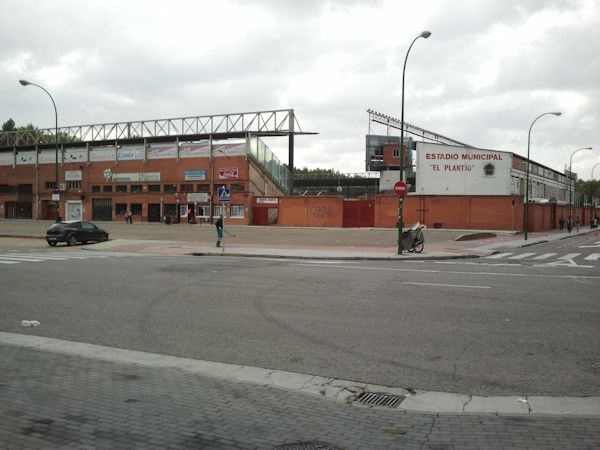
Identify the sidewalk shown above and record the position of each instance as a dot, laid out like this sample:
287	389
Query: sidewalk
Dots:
436	250
61	394
290	242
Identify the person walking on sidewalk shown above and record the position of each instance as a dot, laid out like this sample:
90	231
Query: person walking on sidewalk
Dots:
561	223
128	217
577	221
569	224
219	225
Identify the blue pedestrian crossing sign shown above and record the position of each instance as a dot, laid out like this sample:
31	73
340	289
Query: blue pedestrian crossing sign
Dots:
224	194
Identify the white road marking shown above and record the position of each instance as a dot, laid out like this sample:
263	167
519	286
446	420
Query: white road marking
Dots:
19	258
9	262
448	285
499	255
454	272
594	245
592	257
545	256
569	256
522	256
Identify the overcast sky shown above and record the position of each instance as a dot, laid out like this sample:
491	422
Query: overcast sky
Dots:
488	70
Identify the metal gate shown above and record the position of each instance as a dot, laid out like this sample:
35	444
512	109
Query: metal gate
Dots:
153	212
102	209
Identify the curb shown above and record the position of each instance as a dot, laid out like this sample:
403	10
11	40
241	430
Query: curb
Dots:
336	389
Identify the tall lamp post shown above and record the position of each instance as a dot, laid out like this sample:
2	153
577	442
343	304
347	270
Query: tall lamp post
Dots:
424	35
56	204
571	184
526	214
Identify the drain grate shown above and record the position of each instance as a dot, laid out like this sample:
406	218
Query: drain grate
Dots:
308	446
375	399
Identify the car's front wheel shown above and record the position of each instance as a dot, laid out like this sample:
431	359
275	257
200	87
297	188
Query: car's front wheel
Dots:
52	243
103	237
71	240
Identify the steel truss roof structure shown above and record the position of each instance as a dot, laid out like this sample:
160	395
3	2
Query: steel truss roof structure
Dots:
392	122
218	126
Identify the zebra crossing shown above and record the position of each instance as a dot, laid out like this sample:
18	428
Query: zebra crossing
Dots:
544	257
9	257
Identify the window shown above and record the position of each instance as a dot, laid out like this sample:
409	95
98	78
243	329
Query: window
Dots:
237	187
218	210
136	188
136	208
203	211
50	184
186	187
154	188
396	153
170	187
106	188
25	189
73	184
95	188
203	187
121	188
120	208
237	211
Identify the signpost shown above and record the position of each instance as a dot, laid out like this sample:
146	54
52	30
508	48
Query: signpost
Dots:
224	195
400	189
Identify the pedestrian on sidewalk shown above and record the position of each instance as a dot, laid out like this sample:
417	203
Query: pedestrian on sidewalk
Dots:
569	224
128	217
189	215
577	221
219	225
561	223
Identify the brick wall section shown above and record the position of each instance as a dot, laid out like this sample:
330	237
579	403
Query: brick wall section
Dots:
311	211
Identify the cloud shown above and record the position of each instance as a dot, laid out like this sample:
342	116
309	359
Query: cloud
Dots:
481	78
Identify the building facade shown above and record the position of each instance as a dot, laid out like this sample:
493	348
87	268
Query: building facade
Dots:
174	181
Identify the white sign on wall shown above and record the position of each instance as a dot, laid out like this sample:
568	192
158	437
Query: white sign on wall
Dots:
73	175
200	197
6	159
162	151
25	158
103	154
75	155
49	157
449	170
130	153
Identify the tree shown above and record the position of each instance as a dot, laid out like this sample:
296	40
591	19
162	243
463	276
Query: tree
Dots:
9	125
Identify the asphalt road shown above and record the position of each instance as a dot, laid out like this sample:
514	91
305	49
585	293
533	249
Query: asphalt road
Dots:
493	326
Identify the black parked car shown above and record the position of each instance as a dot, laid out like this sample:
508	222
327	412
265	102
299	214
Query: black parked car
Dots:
74	232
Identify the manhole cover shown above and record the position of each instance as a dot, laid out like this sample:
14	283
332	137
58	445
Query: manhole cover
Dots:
375	399
308	446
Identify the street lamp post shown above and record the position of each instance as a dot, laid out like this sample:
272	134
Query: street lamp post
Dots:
56	204
424	35
526	212
571	184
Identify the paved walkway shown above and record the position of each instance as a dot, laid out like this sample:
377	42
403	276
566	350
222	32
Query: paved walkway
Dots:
52	396
291	242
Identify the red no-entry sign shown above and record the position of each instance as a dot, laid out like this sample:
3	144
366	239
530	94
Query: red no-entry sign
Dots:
400	189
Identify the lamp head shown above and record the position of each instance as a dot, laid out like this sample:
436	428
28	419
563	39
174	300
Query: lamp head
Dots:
556	113
24	82
425	34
